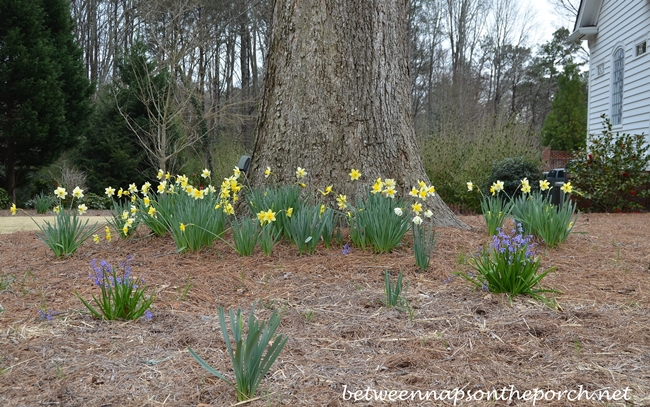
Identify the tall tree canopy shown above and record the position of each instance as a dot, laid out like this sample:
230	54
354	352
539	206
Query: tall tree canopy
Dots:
44	94
337	97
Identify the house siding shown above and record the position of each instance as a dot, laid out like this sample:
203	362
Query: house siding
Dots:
621	23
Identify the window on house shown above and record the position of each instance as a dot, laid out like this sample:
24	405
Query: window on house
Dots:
617	86
641	48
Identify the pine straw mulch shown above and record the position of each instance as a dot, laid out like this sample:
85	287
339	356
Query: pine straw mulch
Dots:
332	309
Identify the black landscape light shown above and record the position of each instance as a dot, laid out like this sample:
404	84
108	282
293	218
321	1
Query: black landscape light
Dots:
244	163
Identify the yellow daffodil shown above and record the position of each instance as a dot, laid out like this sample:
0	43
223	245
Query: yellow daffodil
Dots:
300	173
327	190
60	193
229	209
152	211
266	217
303	185
107	231
145	188
377	187
236	172
13	209
109	191
57	209
78	192
390	183
125	230
355	174
96	239
417	207
82	209
498	186
120	192
161	174
322	210
423	193
417	220
134	198
414	192
470	186
146	201
267	172
134	209
342	201
182	227
205	173
125	215
168	175
161	187
544	185
389	191
197	193
492	190
422	184
129	222
133	188
431	190
525	189
217	206
289	212
567	188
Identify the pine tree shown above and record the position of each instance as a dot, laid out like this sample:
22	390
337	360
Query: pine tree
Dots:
44	94
565	127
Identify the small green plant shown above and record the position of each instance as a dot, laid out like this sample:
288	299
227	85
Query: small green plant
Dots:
495	207
250	362
43	203
122	296
395	294
67	232
375	222
185	289
306	227
424	242
5	200
539	217
509	265
268	238
244	234
309	315
5	282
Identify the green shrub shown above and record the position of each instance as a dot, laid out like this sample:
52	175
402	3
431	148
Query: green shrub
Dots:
244	234
539	217
610	171
43	203
511	171
376	223
5	200
98	202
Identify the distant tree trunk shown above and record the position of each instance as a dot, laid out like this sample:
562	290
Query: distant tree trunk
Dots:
337	97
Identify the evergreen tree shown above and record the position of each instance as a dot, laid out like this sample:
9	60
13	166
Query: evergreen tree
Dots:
565	127
44	94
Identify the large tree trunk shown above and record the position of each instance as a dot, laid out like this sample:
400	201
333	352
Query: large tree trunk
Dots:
337	97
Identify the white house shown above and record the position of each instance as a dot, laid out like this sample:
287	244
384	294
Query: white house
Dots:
617	32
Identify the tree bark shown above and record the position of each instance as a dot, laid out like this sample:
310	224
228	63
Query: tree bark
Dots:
337	97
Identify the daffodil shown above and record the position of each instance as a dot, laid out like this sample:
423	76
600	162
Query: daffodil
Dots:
322	210
428	213
423	193
300	173
414	192
96	239
182	227
134	198
389	192
145	188
107	231
236	172
13	209
498	186
168	175
431	190
57	209
146	201
303	185
229	209
470	186
342	201
161	187
129	222
417	207
266	217
544	185
205	173
377	187
196	193
417	220
109	191
125	230
289	212
152	211
327	190
134	209
133	188
267	172
125	215
525	188
398	211
355	174
120	192
567	188
60	193
390	183
492	190
161	174
82	209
